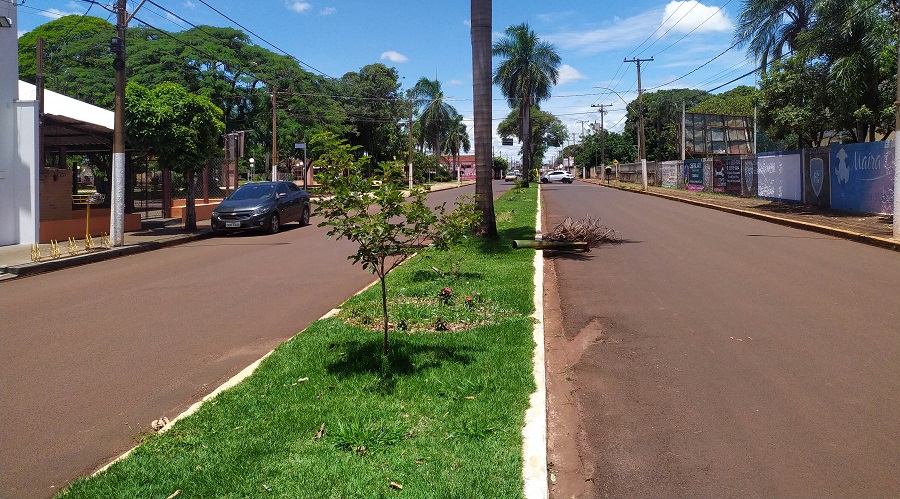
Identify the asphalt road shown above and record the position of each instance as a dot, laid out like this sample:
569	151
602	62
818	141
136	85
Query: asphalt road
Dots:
712	355
90	355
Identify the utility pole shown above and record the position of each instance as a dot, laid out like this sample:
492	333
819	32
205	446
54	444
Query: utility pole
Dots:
117	201
410	144
274	136
603	111
642	150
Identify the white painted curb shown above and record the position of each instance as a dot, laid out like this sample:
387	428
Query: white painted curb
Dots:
534	433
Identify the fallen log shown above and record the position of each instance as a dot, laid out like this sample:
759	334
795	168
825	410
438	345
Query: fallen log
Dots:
551	245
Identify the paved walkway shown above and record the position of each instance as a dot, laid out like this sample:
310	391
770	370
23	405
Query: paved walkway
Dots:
16	260
871	229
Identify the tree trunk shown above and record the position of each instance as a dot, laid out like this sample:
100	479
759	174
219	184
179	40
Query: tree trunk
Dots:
384	347
525	129
481	85
190	210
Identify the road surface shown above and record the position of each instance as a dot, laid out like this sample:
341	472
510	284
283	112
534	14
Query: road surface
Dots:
90	355
711	355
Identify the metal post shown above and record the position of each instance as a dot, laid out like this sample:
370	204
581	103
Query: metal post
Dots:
410	144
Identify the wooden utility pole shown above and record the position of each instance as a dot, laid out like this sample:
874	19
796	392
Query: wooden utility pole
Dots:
642	150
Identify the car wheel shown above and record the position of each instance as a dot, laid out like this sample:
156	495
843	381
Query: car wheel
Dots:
304	219
274	223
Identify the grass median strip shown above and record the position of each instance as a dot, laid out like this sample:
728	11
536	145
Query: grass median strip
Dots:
326	415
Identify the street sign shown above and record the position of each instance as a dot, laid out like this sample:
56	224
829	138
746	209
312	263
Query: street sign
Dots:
507	141
300	145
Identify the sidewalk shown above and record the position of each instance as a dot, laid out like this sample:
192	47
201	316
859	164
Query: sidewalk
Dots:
16	260
870	229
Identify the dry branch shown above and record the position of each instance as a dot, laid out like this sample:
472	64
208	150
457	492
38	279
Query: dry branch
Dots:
588	230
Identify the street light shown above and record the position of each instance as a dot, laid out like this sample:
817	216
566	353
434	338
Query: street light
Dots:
252	169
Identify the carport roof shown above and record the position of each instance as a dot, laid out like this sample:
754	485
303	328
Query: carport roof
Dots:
71	123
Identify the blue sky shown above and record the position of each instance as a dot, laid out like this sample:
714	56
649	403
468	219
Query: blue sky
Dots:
431	38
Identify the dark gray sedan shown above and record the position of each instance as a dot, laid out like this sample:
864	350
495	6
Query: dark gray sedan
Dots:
262	206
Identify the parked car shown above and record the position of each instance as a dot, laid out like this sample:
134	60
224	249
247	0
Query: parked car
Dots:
558	176
262	206
512	175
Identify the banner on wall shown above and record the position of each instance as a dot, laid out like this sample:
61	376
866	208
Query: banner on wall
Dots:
779	176
816	178
748	175
862	177
718	179
693	174
668	173
733	176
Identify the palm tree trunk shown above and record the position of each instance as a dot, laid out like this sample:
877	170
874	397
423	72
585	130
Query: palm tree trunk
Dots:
525	128
481	91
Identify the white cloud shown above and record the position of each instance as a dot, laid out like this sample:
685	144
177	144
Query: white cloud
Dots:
630	32
56	13
20	33
394	56
468	23
568	73
298	6
327	11
189	4
689	15
455	82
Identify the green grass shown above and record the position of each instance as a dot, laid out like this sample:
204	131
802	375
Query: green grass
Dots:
441	414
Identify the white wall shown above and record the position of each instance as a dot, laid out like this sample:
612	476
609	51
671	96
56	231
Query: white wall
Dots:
27	180
19	180
9	159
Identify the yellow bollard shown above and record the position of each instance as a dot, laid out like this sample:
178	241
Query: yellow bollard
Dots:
73	248
35	252
104	240
54	249
88	242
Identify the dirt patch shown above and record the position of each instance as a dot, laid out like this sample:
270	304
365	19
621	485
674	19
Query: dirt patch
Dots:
568	472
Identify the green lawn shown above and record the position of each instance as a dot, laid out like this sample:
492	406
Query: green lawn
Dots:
441	416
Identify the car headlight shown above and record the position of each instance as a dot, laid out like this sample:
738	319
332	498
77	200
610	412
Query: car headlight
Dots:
261	210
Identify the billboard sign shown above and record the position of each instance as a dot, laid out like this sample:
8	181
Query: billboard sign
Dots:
718	175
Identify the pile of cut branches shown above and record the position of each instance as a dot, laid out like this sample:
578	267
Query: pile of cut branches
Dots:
588	230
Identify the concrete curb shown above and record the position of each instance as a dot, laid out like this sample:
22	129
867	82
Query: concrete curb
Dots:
534	432
27	269
822	229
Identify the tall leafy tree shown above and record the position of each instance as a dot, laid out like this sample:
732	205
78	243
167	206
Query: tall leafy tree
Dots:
77	59
375	111
435	114
180	128
526	77
482	21
546	131
769	28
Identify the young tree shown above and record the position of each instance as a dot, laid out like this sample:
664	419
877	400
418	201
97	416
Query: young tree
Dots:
386	227
183	130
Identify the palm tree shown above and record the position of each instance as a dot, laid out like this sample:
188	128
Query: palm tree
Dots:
526	76
435	115
767	27
481	91
457	138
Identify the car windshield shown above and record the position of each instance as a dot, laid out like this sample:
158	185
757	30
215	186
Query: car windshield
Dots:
252	192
